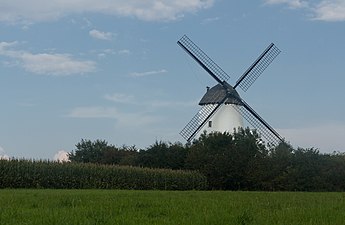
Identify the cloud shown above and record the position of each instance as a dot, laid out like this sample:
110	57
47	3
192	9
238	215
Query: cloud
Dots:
124	52
110	51
46	63
331	11
325	10
125	119
105	52
26	104
101	35
94	112
174	104
210	20
148	73
61	156
291	3
3	155
55	64
120	98
130	99
140	113
15	11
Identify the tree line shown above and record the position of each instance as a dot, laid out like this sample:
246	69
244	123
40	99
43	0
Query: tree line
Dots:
230	161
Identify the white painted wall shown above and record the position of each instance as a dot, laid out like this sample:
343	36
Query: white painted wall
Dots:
224	120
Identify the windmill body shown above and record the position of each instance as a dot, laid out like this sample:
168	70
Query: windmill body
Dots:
222	107
226	118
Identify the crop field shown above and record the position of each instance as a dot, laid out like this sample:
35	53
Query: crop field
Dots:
44	206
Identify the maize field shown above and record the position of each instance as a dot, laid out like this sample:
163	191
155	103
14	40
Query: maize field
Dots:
55	175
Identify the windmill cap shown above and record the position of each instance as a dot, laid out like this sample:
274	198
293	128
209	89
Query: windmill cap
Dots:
217	93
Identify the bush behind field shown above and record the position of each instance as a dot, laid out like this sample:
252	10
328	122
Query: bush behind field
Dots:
47	174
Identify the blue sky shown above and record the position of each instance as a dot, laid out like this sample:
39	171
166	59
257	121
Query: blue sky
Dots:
112	69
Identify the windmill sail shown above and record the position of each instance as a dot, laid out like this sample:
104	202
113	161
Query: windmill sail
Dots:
264	129
200	119
206	62
256	69
211	106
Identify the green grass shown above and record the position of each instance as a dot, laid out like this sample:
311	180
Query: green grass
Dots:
49	207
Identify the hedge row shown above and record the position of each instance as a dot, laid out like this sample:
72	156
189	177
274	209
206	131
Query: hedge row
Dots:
47	174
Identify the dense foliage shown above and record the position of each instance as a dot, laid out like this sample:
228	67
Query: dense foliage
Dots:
158	155
238	161
45	174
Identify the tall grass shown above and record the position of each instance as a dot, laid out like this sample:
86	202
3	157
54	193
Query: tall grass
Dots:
36	207
46	174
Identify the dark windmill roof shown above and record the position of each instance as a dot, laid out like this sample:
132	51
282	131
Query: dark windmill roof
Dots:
217	93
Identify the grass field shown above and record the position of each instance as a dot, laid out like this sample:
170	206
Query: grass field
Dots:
74	207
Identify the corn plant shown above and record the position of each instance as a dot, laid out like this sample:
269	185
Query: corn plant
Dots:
47	174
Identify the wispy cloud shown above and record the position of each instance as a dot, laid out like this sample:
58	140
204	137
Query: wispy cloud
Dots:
14	11
331	11
148	73
126	119
325	10
173	104
130	99
109	51
55	64
210	20
46	63
101	35
120	98
26	104
124	52
290	3
94	112
139	116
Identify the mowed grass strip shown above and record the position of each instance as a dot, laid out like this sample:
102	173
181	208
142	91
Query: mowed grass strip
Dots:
20	206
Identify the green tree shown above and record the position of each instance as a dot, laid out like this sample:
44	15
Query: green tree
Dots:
89	152
279	163
100	151
334	171
176	156
306	171
229	161
163	155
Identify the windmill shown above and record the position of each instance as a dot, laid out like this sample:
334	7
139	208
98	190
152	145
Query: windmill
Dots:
222	106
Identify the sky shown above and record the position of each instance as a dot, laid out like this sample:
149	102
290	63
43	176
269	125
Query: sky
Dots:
111	70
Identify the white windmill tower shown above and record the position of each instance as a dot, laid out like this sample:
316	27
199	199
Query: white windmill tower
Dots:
222	107
227	118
